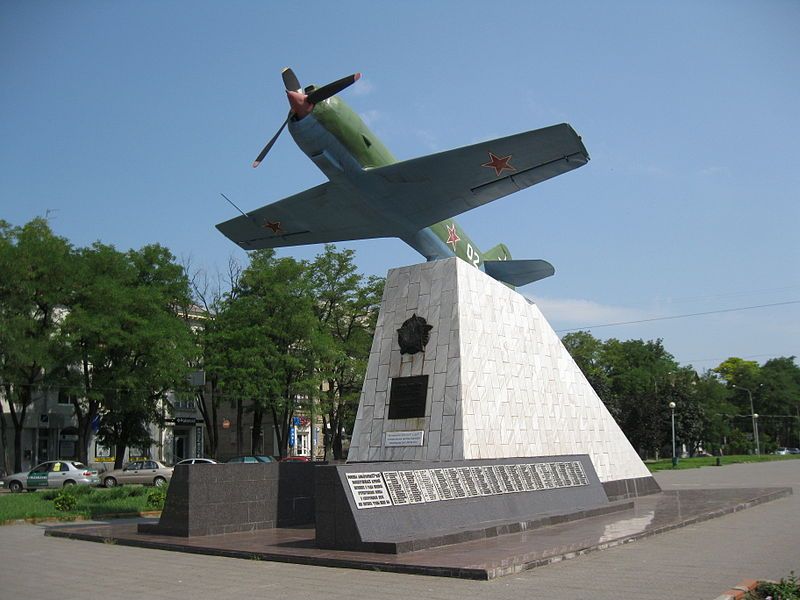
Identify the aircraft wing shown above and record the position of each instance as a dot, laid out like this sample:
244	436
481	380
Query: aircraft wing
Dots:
330	212
433	188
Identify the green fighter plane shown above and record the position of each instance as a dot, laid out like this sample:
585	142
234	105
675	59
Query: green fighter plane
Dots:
371	195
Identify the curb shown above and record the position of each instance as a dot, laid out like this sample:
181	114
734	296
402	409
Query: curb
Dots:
738	591
77	518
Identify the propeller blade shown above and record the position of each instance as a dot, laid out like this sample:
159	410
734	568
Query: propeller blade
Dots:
271	143
326	91
290	81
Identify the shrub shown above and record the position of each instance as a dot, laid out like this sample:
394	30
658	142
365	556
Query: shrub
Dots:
785	589
156	497
65	500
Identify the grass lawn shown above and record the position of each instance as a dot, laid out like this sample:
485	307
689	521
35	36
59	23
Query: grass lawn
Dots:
91	503
709	461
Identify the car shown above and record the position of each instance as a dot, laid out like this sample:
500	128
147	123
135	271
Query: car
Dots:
146	472
794	450
294	459
52	474
251	459
196	461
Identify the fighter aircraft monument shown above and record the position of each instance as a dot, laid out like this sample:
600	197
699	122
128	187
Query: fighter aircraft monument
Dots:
474	422
473	415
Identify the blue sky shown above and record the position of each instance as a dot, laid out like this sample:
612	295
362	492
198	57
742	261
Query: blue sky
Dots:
126	120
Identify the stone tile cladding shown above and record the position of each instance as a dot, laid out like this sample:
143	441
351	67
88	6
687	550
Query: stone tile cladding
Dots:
500	382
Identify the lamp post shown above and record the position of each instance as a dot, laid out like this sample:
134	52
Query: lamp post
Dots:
674	456
755	429
753	415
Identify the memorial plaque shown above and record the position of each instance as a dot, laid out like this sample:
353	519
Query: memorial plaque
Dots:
537	479
426	483
395	439
368	490
516	476
442	483
499	476
491	478
470	484
527	479
408	396
546	475
456	483
581	473
397	491
410	485
479	474
558	474
419	486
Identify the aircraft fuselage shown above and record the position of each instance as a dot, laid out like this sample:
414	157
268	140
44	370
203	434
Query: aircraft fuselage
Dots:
341	145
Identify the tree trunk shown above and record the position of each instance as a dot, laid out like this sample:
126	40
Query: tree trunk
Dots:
239	427
18	419
4	435
119	455
255	434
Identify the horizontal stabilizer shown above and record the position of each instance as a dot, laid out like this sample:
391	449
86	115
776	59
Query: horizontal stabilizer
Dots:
499	252
518	272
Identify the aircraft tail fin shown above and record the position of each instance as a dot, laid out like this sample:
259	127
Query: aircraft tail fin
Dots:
499	252
518	272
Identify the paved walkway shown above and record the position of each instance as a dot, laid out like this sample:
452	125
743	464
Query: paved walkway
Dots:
699	561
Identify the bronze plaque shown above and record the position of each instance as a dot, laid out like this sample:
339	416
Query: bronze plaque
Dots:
408	396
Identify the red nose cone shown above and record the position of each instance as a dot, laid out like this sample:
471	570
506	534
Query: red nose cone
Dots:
299	103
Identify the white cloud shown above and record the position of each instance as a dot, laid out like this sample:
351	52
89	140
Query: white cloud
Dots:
713	171
370	117
579	312
428	139
363	87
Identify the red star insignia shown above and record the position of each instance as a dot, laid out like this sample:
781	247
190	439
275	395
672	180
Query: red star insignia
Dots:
499	164
452	236
274	226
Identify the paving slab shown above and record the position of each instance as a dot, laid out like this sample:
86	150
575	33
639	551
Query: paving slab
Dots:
486	558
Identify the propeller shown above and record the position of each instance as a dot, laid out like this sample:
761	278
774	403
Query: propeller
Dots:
303	103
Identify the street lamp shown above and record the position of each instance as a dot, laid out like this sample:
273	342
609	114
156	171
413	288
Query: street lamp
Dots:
674	457
753	414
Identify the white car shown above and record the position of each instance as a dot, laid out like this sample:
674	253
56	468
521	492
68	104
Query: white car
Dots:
196	461
52	474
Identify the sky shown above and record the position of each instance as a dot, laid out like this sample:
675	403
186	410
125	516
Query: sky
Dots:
124	121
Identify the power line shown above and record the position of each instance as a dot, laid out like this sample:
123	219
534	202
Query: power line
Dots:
698	314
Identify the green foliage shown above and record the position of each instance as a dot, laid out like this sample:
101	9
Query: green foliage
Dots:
65	501
346	311
785	589
711	461
156	497
37	280
89	503
637	380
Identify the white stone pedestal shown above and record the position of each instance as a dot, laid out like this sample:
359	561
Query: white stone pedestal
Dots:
500	382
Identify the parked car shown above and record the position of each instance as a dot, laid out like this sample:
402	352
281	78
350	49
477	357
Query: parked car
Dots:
52	474
251	459
294	459
196	461
794	450
782	451
140	471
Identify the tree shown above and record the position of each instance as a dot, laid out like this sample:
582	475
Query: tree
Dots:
263	344
346	308
779	400
589	354
37	280
125	333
